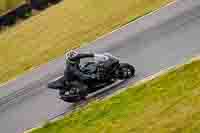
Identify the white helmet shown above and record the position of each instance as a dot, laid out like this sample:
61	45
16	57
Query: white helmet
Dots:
71	54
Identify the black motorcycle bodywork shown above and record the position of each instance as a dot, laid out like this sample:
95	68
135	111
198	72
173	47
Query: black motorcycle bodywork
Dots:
109	70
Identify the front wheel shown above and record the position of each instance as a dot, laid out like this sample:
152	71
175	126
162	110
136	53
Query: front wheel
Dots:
125	71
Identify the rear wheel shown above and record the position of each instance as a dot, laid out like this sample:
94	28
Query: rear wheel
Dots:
125	71
76	93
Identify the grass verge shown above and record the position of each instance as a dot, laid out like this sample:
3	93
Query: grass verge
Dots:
169	103
63	27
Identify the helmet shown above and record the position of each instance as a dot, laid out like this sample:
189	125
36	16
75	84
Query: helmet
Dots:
70	54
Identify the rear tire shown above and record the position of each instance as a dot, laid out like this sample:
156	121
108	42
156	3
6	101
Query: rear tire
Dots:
80	91
77	92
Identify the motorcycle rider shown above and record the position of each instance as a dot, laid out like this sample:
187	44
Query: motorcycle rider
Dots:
73	74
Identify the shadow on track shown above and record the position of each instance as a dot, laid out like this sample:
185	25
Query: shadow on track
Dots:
99	95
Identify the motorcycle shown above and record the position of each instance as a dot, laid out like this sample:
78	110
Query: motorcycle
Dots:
107	68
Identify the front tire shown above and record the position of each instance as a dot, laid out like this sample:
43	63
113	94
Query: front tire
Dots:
125	71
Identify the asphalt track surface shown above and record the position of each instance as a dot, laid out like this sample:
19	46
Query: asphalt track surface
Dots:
150	50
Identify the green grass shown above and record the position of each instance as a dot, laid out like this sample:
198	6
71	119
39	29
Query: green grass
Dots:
6	5
167	104
63	27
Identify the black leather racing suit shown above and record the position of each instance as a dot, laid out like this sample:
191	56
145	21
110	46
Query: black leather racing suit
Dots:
72	70
73	74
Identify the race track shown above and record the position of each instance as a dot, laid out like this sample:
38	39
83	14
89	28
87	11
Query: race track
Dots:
153	49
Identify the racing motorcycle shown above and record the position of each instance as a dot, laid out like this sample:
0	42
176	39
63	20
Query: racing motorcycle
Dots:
107	68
